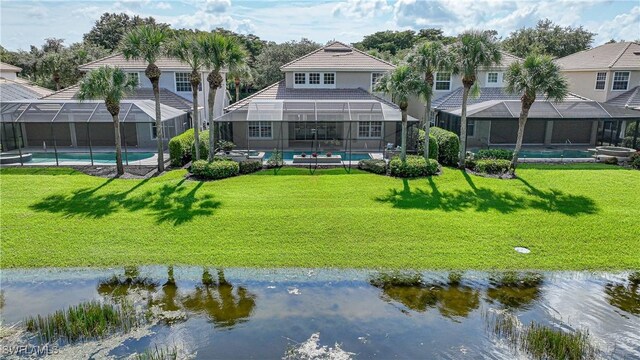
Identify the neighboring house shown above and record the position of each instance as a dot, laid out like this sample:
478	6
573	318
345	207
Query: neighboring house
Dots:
13	87
604	72
493	115
325	102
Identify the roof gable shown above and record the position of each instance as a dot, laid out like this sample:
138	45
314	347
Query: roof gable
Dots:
118	60
8	67
337	56
622	55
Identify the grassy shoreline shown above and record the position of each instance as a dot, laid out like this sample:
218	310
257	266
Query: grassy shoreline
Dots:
572	217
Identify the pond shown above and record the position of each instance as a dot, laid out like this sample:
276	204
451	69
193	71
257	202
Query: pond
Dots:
276	313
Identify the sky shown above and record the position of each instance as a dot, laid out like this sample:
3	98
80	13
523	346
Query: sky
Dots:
24	22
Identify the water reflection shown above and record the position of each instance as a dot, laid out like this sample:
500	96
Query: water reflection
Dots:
218	300
451	299
118	287
625	297
515	290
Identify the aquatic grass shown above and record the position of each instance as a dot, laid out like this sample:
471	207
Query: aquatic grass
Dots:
454	278
634	278
516	279
85	321
334	219
540	341
158	354
396	279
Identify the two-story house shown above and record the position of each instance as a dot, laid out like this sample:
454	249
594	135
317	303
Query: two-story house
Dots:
576	122
324	103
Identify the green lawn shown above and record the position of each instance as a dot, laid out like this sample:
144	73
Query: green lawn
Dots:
571	217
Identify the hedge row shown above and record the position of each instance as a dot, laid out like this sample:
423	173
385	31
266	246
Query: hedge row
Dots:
491	166
635	161
494	154
414	166
249	166
375	166
218	169
433	145
182	147
448	146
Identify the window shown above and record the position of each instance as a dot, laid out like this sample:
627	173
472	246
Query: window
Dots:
375	77
492	78
370	129
600	80
300	78
329	78
260	129
135	77
443	81
314	78
471	127
620	80
182	82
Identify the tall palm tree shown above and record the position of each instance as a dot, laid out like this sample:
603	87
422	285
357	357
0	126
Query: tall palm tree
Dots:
53	64
402	83
537	74
111	85
473	50
147	42
188	48
240	74
220	51
429	58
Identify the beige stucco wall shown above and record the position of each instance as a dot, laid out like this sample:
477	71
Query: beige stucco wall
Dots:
344	79
583	83
9	75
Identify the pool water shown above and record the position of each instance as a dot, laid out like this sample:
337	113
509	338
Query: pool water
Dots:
547	154
104	158
288	155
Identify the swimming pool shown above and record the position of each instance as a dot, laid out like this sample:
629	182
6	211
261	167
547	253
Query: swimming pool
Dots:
547	154
102	158
288	155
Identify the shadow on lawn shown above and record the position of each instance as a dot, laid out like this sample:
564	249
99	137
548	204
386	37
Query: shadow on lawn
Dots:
176	204
485	199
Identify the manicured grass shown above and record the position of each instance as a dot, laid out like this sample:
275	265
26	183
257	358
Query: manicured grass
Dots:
571	217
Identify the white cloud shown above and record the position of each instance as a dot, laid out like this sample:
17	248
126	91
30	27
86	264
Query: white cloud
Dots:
207	21
622	27
37	12
163	5
361	8
215	6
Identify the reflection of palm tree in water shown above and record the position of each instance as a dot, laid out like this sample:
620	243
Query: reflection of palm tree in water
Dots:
118	287
169	296
625	298
224	306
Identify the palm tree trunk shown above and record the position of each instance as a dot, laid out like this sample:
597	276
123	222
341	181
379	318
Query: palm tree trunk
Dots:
116	127
212	133
522	122
427	127
159	137
463	127
196	122
403	151
237	83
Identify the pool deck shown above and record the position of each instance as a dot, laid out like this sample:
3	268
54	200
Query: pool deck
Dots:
151	161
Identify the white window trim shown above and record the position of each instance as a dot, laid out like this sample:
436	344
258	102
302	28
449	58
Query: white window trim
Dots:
175	82
321	85
371	79
613	80
497	77
436	81
595	86
139	85
260	125
363	118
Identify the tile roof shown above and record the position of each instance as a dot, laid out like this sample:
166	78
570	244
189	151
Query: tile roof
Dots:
508	59
279	91
542	109
166	97
9	67
629	98
20	89
453	100
622	55
118	60
337	56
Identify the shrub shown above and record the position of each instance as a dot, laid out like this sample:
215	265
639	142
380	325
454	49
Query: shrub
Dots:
492	166
635	161
180	148
433	145
226	145
414	166
494	154
374	166
275	160
249	166
219	169
611	160
448	146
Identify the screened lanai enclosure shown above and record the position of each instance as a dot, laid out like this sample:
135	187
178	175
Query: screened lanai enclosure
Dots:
568	124
50	128
359	126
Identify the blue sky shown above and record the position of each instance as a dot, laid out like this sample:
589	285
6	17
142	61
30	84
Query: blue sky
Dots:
29	22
